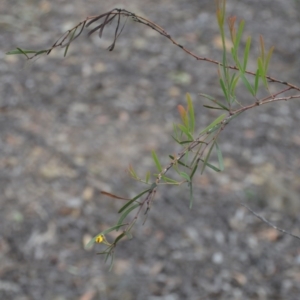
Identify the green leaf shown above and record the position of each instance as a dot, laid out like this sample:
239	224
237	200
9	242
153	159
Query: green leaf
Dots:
126	212
41	52
256	81
211	166
128	235
232	117
194	170
186	142
23	51
130	227
214	101
214	128
234	54
224	89
147	176
214	123
247	84
220	157
239	34
111	261
70	41
169	180
186	131
262	71
132	172
221	105
185	176
108	230
119	237
269	55
132	200
175	130
208	97
191	194
260	66
262	47
179	162
157	163
213	107
191	113
233	84
175	139
207	158
183	115
246	53
108	254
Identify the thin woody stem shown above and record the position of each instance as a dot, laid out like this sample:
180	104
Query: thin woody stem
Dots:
155	27
269	223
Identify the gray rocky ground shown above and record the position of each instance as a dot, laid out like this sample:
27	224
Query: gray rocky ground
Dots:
71	126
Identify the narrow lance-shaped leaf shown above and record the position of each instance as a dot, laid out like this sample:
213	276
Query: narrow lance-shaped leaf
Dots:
128	235
175	139
191	113
126	212
239	34
156	161
232	117
211	166
214	123
247	84
213	107
186	142
183	115
186	157
179	162
111	262
214	101
185	176
269	55
262	47
169	180
262	71
119	237
176	133
208	97
185	131
132	172
234	55
132	200
191	194
221	14
194	170
70	41
220	157
256	81
25	52
246	53
231	24
147	177
196	155
110	229
224	90
113	196
233	84
215	128
207	158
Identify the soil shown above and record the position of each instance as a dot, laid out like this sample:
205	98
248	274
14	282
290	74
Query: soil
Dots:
71	126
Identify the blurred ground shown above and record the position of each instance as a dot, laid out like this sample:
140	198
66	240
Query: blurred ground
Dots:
70	127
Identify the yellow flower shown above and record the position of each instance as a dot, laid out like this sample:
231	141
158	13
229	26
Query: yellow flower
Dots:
99	239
